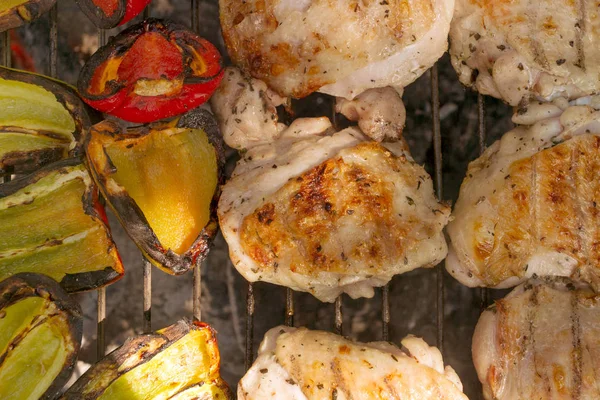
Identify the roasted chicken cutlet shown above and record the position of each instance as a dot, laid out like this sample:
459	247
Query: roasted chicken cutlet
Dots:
320	210
337	47
540	342
530	204
299	364
526	49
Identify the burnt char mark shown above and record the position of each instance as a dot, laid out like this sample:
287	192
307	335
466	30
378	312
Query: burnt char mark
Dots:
536	47
28	161
79	281
312	195
339	383
577	352
580	28
577	157
535	199
529	342
266	214
63	167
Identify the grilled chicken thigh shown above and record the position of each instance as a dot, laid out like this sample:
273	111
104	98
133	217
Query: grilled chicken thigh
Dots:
540	342
299	364
514	50
318	210
337	47
530	204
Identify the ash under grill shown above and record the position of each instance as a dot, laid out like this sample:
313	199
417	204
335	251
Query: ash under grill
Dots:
389	303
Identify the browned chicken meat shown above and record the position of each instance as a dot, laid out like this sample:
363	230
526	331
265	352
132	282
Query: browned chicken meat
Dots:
298	364
530	205
337	47
520	49
320	210
541	342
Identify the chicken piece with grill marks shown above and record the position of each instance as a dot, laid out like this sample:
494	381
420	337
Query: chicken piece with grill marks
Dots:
542	342
337	47
320	210
530	205
521	49
299	364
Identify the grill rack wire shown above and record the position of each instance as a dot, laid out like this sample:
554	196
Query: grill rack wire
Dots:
5	59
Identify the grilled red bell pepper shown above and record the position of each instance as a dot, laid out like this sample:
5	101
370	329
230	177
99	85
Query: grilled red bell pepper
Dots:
151	71
107	14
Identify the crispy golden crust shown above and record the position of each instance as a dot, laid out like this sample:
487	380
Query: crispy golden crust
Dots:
540	341
305	224
549	200
261	38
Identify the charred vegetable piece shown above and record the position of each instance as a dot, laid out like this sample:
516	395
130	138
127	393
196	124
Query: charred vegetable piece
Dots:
52	223
15	13
40	335
107	14
151	71
40	120
178	362
163	183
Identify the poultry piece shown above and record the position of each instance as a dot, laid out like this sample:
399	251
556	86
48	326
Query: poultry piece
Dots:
540	342
318	210
522	49
294	47
299	364
529	205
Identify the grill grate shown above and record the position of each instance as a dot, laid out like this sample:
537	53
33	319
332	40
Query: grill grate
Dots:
5	59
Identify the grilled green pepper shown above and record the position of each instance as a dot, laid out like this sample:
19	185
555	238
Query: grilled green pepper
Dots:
41	121
40	335
180	362
51	222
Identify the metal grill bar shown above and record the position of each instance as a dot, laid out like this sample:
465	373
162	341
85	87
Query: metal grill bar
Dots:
53	50
197	293
146	266
483	292
100	336
249	326
339	318
5	60
385	313
147	297
289	307
5	48
197	279
437	155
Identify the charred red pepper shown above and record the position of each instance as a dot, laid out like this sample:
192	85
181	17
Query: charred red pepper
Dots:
151	71
107	14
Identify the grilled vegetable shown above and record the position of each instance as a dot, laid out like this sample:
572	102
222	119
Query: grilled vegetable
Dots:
51	222
40	335
107	14
180	362
40	120
162	181
150	71
15	13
